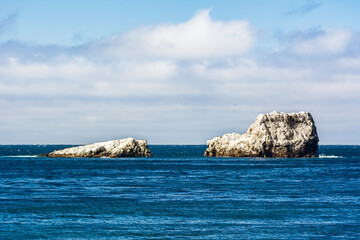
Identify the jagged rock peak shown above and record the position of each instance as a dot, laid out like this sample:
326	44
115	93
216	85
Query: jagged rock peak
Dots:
276	134
128	147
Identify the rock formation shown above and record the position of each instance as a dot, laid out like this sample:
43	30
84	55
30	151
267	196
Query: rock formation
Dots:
127	147
271	135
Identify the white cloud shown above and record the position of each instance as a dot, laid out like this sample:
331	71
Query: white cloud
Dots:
199	38
329	42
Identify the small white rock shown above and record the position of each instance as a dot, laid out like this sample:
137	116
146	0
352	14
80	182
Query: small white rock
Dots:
128	147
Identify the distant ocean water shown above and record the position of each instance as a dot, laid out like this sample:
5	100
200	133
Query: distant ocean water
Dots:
179	194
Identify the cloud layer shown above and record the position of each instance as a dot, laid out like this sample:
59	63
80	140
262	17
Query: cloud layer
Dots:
177	83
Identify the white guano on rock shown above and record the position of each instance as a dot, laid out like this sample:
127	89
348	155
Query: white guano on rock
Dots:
128	147
275	134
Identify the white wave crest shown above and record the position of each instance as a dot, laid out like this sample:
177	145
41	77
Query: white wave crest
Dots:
24	156
329	156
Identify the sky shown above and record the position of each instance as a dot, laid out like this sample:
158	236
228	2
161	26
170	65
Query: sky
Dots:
175	72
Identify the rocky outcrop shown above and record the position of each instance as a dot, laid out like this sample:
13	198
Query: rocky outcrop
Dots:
127	147
274	134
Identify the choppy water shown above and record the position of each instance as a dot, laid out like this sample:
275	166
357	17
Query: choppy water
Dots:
178	194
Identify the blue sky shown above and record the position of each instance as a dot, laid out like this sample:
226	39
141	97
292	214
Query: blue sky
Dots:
175	72
75	22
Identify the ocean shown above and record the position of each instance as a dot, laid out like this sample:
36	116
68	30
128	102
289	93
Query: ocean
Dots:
179	194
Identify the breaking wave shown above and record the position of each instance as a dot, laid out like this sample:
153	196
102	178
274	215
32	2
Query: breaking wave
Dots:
329	156
24	156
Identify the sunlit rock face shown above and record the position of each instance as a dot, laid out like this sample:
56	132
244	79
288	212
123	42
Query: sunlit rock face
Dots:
276	134
127	147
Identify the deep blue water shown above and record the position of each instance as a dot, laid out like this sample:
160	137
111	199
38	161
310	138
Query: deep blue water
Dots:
178	194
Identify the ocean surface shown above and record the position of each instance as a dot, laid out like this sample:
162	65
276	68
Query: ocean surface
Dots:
179	194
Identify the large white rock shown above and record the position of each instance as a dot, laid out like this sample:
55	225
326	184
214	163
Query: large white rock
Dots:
128	147
275	134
